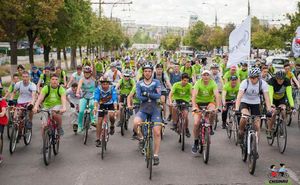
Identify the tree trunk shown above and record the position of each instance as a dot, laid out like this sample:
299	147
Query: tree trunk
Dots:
257	52
13	56
73	58
46	54
65	54
31	38
58	57
97	50
80	53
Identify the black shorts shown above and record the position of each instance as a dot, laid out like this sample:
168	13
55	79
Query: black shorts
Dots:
164	93
122	98
105	107
253	108
280	101
184	107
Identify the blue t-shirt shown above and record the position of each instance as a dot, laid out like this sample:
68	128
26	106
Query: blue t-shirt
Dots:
106	97
175	78
35	76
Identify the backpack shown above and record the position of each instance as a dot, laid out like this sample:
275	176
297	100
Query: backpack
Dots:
48	86
62	76
259	89
162	78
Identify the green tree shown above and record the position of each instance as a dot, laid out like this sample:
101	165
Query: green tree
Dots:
196	31
170	41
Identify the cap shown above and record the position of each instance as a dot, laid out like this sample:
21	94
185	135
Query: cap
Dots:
47	68
205	71
34	68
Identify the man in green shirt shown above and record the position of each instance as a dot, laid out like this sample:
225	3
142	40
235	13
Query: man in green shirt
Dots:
206	94
53	97
224	65
243	71
197	68
187	68
11	89
231	72
229	93
181	92
44	78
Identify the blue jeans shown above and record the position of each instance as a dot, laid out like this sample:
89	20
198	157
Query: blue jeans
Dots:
82	106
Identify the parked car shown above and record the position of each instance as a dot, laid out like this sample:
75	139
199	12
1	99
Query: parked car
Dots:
277	62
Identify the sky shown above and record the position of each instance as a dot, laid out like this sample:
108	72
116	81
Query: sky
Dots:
177	12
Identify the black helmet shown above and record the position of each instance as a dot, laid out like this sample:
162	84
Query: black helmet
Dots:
280	75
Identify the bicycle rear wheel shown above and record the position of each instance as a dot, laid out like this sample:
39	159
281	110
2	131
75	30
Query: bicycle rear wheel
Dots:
289	117
27	135
46	147
253	154
271	140
13	139
244	149
206	145
235	130
281	137
9	129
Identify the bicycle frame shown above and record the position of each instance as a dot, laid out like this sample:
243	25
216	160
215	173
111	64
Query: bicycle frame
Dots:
250	130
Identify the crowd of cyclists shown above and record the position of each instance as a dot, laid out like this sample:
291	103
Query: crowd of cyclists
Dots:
152	84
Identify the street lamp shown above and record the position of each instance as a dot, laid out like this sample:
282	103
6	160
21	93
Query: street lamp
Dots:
216	14
114	5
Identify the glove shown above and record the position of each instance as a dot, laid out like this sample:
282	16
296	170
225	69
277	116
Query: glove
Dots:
72	105
146	94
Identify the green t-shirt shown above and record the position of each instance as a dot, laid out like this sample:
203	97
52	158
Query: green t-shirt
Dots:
190	71
53	98
224	68
197	68
11	89
126	86
99	67
227	75
61	77
243	74
205	92
231	92
182	93
47	81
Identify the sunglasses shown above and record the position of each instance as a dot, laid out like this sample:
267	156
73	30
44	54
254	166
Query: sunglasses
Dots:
254	77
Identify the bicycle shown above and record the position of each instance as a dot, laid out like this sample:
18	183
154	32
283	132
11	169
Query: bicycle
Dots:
10	124
279	132
86	121
104	134
147	128
250	142
205	130
181	123
21	127
51	137
232	123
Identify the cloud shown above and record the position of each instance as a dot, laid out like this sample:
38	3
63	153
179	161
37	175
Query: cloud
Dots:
177	12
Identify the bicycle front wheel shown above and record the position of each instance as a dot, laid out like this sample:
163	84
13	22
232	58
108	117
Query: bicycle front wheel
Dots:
216	122
86	127
299	116
206	145
46	147
229	125
27	135
9	129
55	142
150	150
122	121
183	128
13	139
281	137
253	154
103	143
289	118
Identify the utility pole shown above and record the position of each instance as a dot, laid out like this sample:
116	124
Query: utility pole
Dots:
249	9
112	3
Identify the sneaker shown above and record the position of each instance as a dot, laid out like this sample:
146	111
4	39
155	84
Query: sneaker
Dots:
170	117
98	143
61	131
195	149
187	133
112	130
155	160
93	124
1	159
75	127
224	125
212	132
80	130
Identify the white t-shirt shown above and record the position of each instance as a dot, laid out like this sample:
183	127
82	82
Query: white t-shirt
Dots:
110	76
25	92
77	77
72	96
252	96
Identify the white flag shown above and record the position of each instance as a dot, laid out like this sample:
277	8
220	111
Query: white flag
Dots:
240	43
296	43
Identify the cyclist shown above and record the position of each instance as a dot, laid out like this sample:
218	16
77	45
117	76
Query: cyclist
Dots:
44	78
187	68
205	94
35	75
216	76
197	68
181	93
86	88
148	91
11	88
106	96
249	99
229	93
223	65
76	76
291	75
280	90
74	101
53	97
160	75
231	72
114	75
125	85
20	70
62	76
99	67
265	74
3	121
86	62
243	71
27	95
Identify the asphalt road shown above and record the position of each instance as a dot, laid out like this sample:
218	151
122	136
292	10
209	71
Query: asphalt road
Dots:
79	164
